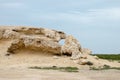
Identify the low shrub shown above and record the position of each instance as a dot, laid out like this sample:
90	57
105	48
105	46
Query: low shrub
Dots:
65	69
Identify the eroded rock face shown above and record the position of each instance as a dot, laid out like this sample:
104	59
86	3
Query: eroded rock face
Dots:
42	44
46	41
42	39
53	34
9	34
72	47
1	33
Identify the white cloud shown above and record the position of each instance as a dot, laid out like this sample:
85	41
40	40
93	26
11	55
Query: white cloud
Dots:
95	16
109	13
92	16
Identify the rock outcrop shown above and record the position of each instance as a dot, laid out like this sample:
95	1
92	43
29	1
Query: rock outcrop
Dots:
42	39
28	40
42	44
52	34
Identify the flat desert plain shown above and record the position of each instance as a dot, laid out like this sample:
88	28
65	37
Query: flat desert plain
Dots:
33	74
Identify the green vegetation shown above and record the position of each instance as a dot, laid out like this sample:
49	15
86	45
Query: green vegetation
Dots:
105	67
108	56
65	69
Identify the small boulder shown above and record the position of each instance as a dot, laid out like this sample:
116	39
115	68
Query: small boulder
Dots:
97	58
86	51
55	57
85	62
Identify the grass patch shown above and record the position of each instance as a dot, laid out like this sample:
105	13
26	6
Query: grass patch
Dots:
110	57
65	69
105	67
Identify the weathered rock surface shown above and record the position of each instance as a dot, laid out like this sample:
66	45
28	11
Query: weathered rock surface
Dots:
28	40
42	39
53	34
1	33
9	34
72	47
85	62
86	51
42	44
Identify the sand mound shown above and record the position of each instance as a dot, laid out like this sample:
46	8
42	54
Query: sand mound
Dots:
27	46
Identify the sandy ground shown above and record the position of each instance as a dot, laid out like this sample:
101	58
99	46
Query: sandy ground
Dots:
15	67
28	74
28	58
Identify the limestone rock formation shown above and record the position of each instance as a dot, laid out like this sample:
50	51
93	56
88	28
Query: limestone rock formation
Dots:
53	34
42	39
42	44
9	34
29	40
72	47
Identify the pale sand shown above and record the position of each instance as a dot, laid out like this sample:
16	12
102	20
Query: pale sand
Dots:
15	67
27	58
28	74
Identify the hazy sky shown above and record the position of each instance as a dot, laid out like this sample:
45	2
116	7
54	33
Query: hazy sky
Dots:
95	23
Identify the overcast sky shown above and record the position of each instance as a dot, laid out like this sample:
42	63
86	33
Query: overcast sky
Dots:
95	23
